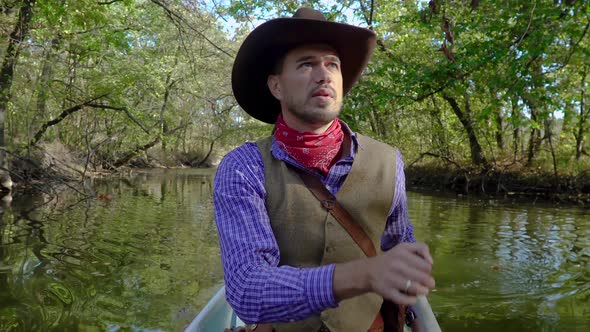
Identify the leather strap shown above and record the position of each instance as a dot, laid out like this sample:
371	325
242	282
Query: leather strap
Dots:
356	232
330	203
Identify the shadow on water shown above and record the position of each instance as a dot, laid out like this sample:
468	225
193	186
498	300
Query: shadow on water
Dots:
141	254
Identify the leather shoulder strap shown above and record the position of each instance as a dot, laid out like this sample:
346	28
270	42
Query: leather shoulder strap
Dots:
330	203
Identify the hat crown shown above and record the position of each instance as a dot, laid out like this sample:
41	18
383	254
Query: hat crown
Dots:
309	13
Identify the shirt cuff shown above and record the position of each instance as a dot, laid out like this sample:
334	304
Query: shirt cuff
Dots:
319	286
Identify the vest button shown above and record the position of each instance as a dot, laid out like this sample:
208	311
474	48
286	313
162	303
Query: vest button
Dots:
328	248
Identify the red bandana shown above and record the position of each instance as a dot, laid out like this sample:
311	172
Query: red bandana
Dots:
314	151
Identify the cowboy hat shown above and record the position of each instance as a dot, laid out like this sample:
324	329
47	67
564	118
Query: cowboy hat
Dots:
271	40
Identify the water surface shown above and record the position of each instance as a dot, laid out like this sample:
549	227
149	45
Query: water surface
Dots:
143	256
506	266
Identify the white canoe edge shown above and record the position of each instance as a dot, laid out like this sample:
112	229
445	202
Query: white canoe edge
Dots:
216	316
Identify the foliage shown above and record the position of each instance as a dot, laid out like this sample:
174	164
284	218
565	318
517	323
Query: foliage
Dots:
488	84
107	78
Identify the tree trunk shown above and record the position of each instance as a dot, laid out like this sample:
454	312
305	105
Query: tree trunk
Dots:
535	104
163	109
516	130
44	83
498	121
549	137
438	129
169	85
372	121
377	122
477	156
535	136
499	130
582	118
19	32
200	163
534	139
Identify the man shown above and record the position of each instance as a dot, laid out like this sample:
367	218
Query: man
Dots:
286	260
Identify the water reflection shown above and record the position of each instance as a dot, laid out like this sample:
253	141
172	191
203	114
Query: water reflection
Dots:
143	255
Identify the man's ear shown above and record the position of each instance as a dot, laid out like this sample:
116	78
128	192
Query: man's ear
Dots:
274	86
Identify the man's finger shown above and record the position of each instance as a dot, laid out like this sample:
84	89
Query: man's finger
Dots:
417	289
398	297
421	249
417	262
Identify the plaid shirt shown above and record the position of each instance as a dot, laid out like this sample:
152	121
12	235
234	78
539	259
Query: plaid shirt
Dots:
256	287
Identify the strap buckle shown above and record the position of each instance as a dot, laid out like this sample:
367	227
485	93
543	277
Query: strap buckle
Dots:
328	203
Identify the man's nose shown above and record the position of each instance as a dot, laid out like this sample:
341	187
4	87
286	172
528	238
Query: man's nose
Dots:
322	74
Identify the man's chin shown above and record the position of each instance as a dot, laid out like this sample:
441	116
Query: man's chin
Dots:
315	114
321	116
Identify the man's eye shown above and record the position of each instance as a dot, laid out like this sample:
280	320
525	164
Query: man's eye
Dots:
306	64
334	65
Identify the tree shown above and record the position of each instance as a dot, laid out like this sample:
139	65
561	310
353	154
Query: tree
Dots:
17	36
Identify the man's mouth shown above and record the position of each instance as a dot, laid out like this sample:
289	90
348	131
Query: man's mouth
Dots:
323	93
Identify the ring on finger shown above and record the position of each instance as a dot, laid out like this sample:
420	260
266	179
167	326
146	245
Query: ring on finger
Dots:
408	285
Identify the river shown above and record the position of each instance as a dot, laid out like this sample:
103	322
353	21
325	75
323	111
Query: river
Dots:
143	256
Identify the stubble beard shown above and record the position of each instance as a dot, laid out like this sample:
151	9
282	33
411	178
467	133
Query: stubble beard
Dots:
315	114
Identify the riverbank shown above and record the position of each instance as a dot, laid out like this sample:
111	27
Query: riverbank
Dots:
55	165
52	165
524	183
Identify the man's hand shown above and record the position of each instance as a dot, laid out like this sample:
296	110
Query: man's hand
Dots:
402	273
407	265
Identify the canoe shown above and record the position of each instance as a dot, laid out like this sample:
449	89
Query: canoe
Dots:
216	316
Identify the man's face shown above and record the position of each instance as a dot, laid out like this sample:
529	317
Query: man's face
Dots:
309	85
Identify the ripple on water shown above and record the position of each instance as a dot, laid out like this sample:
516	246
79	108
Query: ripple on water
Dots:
497	266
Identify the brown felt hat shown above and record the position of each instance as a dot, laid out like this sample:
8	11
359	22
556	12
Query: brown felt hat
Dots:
271	40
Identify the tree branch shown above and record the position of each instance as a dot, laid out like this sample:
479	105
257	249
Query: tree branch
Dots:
90	103
447	159
129	115
108	2
172	15
371	15
60	118
126	158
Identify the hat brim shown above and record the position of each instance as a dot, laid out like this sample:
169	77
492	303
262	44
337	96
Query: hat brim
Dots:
261	49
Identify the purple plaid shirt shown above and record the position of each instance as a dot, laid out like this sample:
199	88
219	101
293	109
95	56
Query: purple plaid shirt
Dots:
256	287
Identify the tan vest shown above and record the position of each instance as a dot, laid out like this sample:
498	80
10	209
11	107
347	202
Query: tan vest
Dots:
308	236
